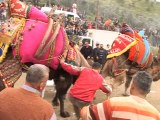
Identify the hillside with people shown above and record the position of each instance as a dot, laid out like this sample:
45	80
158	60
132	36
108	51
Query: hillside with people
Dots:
109	15
138	13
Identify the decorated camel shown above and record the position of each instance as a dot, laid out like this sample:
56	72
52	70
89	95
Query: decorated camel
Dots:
129	53
34	38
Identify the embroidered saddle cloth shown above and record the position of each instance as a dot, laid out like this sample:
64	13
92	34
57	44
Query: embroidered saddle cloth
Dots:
139	50
33	34
10	71
121	44
8	31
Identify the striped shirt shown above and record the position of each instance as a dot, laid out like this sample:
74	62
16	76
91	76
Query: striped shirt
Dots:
121	108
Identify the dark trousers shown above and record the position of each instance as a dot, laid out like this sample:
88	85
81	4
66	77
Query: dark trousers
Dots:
78	105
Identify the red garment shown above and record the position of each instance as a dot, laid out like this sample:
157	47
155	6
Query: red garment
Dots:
87	83
137	52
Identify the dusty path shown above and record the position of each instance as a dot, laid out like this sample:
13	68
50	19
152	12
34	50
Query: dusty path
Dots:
153	97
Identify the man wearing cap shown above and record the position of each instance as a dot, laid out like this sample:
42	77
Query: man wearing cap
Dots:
25	103
89	81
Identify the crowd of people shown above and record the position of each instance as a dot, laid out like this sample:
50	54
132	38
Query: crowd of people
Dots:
98	54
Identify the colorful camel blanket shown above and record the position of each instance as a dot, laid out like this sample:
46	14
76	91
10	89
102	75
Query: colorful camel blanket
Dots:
33	34
33	30
10	71
121	44
139	50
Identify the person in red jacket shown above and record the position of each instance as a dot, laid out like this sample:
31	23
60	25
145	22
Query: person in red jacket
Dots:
89	81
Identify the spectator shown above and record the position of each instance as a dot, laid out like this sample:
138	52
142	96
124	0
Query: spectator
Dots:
108	49
95	53
134	107
74	8
80	45
86	50
89	81
25	103
89	25
102	54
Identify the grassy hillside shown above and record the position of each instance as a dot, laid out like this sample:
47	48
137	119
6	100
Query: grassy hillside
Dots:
141	13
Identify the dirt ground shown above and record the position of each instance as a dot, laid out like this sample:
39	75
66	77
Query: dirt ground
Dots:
153	97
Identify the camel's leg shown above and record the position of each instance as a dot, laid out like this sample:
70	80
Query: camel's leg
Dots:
62	86
119	80
55	100
63	113
61	96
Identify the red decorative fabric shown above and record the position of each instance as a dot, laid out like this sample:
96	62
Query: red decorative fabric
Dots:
18	8
137	36
120	44
137	52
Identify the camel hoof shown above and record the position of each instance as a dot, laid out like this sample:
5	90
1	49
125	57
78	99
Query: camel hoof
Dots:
125	94
65	114
55	103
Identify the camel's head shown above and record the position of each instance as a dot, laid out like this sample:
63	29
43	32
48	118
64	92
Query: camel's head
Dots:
115	68
127	30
